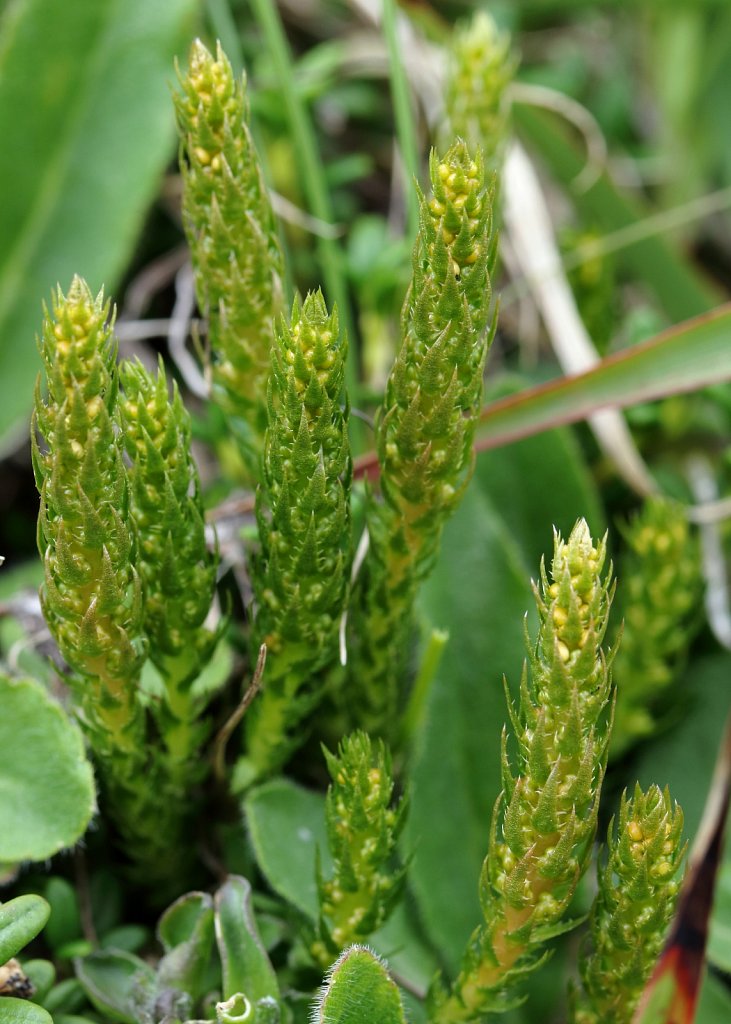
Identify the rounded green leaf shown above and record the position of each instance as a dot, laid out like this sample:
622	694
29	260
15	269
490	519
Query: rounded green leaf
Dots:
359	990
20	921
46	782
20	1011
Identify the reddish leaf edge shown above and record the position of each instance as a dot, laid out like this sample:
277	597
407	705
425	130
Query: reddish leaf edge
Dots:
504	409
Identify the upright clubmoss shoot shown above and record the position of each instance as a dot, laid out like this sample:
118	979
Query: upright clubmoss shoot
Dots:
177	569
480	67
545	820
126	573
362	830
661	590
91	596
638	889
426	425
301	575
231	232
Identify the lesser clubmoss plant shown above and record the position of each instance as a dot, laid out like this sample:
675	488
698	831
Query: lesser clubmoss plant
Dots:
231	232
545	820
661	588
427	422
105	614
638	889
480	67
301	575
362	830
178	572
91	597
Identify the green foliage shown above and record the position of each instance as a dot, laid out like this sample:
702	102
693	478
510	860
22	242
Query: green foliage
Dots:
661	588
211	946
637	893
359	971
45	778
362	829
129	577
20	921
303	511
98	522
230	230
481	66
426	424
544	823
83	163
92	597
177	571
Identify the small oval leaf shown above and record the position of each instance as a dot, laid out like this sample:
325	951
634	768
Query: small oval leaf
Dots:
20	921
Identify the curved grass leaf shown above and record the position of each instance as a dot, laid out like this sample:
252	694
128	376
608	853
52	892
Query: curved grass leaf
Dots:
680	288
686	357
689	356
81	163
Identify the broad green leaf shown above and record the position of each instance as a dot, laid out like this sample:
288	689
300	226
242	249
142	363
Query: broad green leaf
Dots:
684	757
81	163
287	825
680	288
689	356
22	1011
479	593
117	984
359	991
244	962
20	921
46	784
540	483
